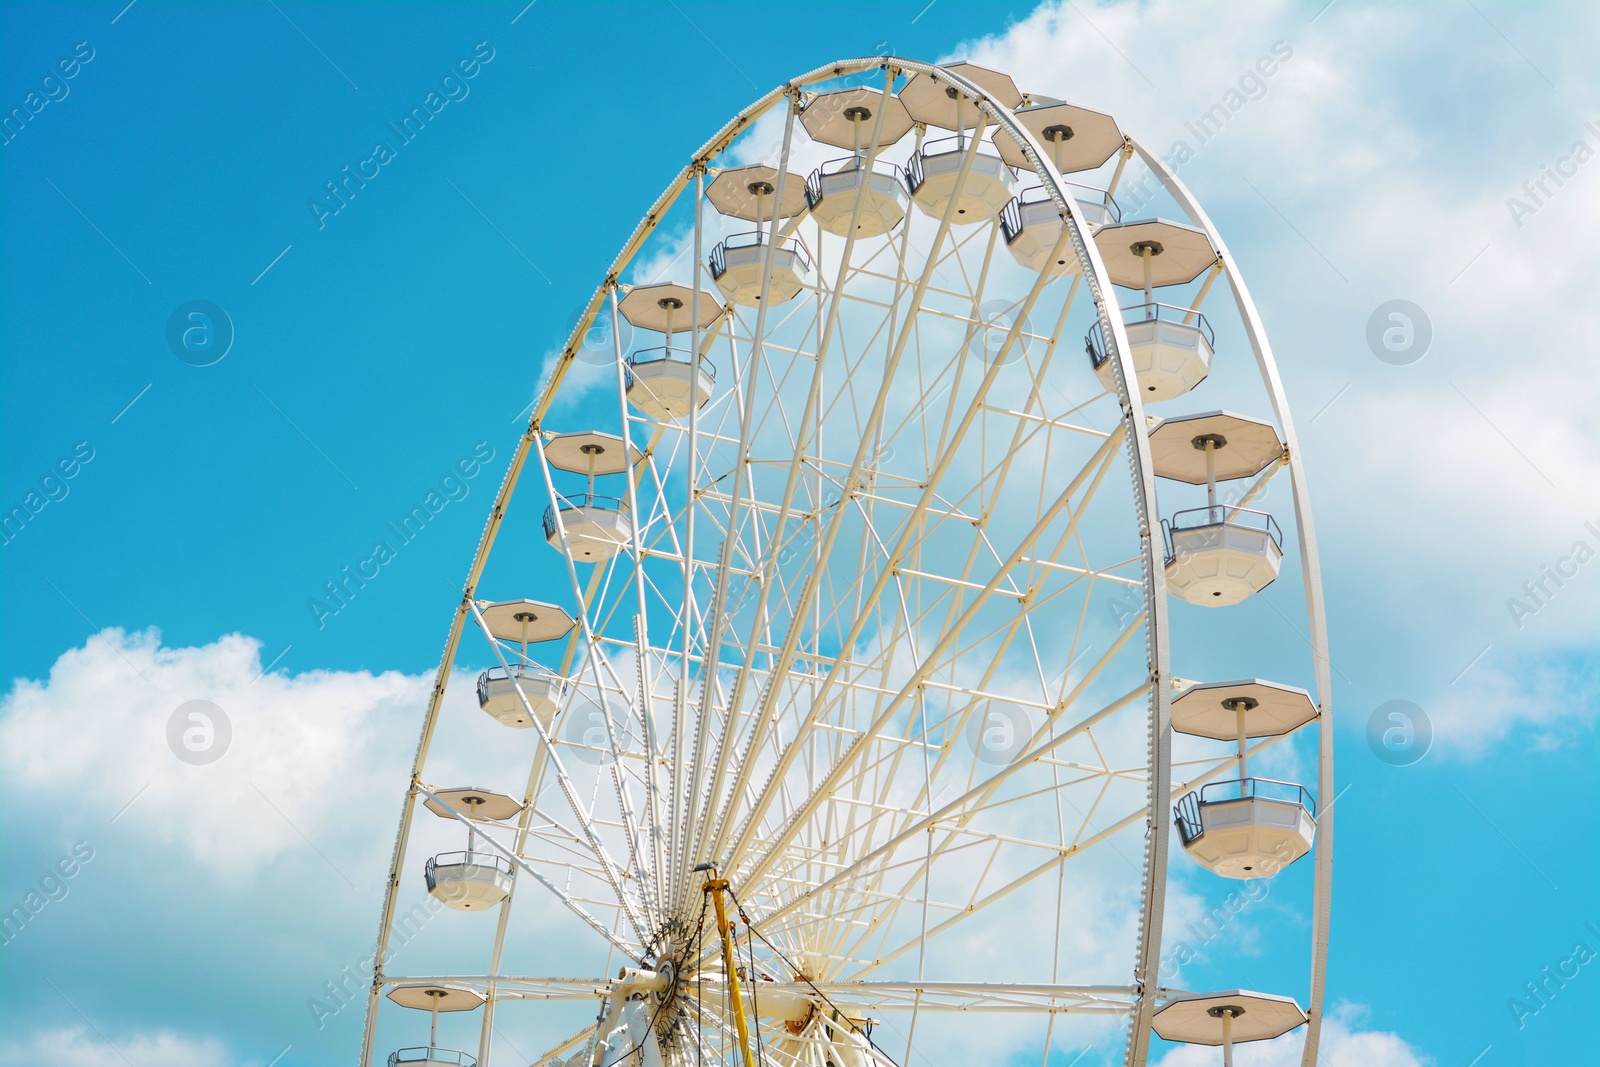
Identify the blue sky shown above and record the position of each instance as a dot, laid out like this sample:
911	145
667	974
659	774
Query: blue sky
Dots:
380	352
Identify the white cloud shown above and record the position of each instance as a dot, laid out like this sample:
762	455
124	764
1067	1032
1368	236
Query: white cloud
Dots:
1424	477
305	749
1425	508
1442	486
76	1047
1343	1044
320	757
1550	702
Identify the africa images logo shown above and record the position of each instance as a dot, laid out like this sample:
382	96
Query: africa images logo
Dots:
453	87
454	486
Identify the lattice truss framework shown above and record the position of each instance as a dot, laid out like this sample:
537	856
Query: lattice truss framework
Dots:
881	646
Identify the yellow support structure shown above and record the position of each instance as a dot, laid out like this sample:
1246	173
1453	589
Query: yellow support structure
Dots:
716	887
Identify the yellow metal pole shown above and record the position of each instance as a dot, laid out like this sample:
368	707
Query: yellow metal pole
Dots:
716	887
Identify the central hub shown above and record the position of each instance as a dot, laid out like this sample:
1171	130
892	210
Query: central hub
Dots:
670	961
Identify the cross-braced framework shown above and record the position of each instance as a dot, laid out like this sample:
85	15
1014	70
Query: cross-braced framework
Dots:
874	624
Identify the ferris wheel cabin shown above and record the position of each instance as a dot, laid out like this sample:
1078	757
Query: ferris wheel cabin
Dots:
1221	554
1244	827
739	267
836	188
597	527
848	118
594	526
431	1057
518	694
1171	346
934	174
433	999
470	880
666	382
740	263
1247	828
521	694
1075	138
1032	225
664	385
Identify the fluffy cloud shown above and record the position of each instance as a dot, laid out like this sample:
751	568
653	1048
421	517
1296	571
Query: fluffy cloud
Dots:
1343	1045
76	1047
325	754
1549	702
1342	181
303	748
1430	516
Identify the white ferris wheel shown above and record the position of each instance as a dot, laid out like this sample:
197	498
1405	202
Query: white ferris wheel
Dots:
845	713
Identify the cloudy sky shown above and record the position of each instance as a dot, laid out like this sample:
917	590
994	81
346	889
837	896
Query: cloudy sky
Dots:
182	520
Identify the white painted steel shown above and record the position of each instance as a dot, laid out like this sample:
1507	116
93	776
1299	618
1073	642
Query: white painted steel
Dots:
1170	358
1222	563
594	532
509	696
1311	574
468	884
899	538
833	207
1251	837
978	195
745	275
664	388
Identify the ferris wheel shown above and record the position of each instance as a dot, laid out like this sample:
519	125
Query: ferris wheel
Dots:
864	511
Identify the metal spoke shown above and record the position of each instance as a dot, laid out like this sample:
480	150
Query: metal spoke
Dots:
886	647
